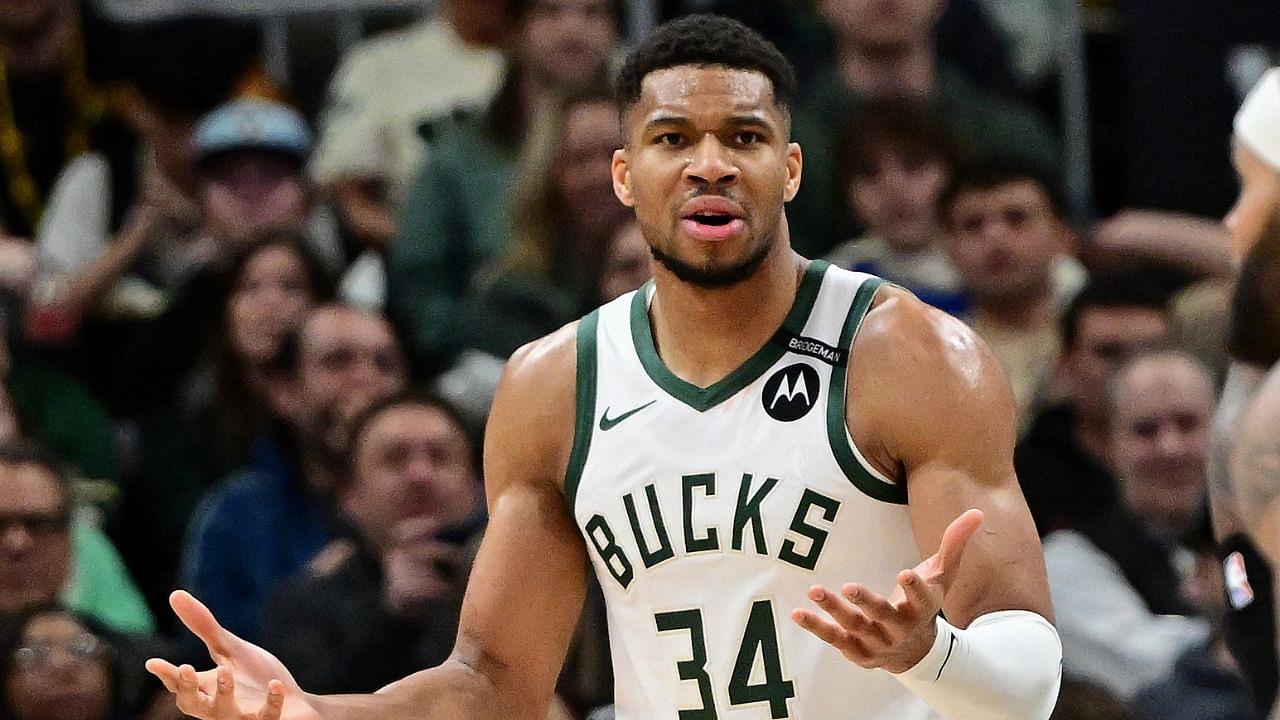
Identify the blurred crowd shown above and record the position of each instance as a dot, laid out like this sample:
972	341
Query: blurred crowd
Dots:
248	345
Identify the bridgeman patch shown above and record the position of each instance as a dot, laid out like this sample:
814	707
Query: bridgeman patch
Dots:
791	392
813	348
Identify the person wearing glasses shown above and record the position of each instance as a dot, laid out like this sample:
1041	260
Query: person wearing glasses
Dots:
45	555
55	666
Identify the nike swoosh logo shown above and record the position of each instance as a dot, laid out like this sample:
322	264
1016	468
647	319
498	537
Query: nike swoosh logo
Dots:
608	423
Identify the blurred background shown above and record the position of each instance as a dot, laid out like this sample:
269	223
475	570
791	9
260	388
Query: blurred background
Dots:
262	261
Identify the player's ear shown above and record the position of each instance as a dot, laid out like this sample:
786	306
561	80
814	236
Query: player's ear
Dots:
795	166
621	171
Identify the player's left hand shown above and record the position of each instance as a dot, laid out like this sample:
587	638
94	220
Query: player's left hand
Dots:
892	633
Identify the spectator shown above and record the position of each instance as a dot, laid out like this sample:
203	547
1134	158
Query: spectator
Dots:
210	427
456	218
565	213
57	666
251	156
626	264
40	403
887	49
384	602
1118	579
268	519
1205	683
1008	238
54	109
385	89
1062	462
46	554
96	226
895	159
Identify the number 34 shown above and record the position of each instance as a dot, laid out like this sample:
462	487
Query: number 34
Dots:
759	638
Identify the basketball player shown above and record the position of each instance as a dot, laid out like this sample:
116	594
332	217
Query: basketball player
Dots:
1244	475
747	451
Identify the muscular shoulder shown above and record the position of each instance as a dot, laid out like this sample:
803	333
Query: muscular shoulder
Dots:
533	412
913	368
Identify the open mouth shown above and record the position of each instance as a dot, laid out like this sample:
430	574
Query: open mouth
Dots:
713	219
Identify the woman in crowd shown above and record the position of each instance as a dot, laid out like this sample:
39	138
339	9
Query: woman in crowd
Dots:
225	405
56	667
564	219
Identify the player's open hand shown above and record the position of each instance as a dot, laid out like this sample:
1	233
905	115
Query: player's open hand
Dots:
248	683
892	633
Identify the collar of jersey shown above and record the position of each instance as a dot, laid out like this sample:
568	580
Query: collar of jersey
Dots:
705	398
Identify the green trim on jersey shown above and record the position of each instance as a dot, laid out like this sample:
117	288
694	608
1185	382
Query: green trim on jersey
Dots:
703	399
584	405
837	435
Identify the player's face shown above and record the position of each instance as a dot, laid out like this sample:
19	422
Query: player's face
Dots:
1258	207
1160	437
707	167
1003	241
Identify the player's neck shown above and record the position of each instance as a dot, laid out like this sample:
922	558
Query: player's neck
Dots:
705	334
899	70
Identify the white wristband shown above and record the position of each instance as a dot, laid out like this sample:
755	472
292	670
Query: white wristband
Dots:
1005	666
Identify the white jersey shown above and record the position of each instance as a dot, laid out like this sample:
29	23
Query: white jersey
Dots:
710	512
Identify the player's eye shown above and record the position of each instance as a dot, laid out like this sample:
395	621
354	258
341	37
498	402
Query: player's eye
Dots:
748	138
672	139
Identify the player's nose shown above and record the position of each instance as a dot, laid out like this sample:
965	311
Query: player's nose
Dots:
711	162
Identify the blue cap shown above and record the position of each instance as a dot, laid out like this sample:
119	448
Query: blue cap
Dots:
253	124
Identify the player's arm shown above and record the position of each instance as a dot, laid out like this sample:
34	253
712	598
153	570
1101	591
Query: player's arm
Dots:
930	404
522	602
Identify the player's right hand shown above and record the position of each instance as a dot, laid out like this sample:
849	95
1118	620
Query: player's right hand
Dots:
248	683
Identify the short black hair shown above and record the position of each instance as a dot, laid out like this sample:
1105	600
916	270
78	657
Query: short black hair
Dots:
991	172
705	40
1141	288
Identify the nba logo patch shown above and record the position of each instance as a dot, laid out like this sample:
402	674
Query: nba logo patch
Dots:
1236	577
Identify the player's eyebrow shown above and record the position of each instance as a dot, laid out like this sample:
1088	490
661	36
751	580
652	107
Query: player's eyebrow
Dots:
666	119
739	120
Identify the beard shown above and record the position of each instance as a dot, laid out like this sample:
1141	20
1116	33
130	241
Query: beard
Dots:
718	277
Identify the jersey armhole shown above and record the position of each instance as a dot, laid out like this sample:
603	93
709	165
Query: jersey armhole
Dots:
861	473
584	405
